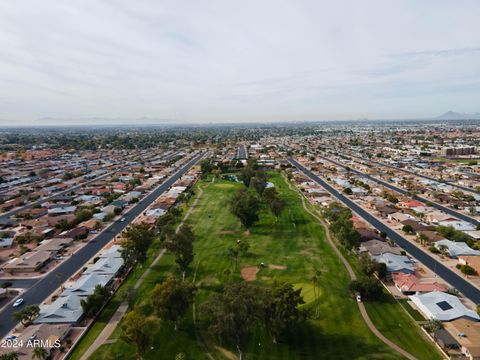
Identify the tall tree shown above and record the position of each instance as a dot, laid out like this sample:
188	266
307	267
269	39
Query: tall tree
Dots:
234	314
181	244
27	314
39	353
171	299
92	304
277	206
136	331
9	356
282	308
258	184
137	240
245	207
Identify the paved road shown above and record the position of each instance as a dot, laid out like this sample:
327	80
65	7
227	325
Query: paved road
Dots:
47	285
19	283
445	209
466	288
414	173
242	152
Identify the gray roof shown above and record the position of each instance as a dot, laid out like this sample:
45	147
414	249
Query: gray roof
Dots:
63	310
85	285
456	249
395	263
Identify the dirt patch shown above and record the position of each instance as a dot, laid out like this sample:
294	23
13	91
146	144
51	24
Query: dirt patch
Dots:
227	232
249	273
277	267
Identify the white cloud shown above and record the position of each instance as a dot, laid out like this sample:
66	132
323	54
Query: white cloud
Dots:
245	60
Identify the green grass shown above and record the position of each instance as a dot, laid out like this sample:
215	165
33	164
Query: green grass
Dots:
296	241
394	320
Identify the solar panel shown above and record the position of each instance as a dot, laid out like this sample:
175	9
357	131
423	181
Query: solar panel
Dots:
444	305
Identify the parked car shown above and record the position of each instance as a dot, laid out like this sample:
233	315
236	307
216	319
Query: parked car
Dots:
359	298
10	337
18	302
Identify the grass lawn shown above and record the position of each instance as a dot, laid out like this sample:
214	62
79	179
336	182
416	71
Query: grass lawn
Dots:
295	246
393	322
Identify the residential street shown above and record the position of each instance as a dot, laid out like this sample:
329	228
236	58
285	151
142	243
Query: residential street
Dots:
46	286
445	209
460	284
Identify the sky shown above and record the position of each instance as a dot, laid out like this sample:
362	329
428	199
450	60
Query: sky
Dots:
84	61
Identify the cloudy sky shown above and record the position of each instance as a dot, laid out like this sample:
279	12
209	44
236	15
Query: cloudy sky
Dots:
222	61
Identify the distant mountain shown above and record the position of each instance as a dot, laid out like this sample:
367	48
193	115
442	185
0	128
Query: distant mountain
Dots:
452	115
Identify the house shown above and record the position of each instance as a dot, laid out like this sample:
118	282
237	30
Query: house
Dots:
108	209
410	284
367	234
39	257
396	263
62	210
430	236
85	285
6	242
155	212
377	247
77	233
64	310
399	217
455	249
29	262
438	216
47	334
458	225
416	225
441	306
467	334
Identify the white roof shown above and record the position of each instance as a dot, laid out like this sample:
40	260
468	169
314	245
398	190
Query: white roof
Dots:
458	225
442	306
456	248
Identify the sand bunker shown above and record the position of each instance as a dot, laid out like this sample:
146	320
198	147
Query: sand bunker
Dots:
249	273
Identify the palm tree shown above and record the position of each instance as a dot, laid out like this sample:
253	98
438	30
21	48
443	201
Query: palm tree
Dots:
9	356
39	353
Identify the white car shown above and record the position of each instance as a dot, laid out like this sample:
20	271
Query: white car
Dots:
122	219
359	298
10	337
18	302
